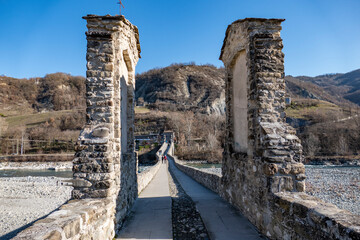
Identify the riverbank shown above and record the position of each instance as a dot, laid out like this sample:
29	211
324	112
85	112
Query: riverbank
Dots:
38	158
337	185
58	166
353	160
25	199
37	162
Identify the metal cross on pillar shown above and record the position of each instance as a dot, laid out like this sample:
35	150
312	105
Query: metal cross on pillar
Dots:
121	5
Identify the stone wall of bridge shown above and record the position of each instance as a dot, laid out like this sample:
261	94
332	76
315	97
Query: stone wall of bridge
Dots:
105	163
78	219
296	215
91	218
210	180
263	174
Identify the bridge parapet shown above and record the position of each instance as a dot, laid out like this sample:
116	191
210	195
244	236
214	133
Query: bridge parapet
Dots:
262	171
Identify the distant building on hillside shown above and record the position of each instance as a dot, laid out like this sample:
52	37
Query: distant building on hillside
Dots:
288	100
140	102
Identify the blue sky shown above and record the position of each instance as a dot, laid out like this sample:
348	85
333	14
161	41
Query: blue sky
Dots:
45	36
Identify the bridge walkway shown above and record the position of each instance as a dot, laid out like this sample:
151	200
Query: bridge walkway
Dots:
222	221
150	217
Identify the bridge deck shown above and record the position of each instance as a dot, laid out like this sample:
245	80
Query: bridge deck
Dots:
151	215
222	221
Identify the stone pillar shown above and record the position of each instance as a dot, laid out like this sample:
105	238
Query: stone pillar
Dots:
262	154
105	161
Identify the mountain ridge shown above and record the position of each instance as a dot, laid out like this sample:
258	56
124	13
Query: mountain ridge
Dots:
179	87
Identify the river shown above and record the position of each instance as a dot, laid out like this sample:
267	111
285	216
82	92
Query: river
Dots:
35	173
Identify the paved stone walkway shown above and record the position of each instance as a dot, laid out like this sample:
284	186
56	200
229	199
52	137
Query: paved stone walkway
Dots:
151	214
222	221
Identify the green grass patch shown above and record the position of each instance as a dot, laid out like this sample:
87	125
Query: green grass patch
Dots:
141	110
305	108
31	120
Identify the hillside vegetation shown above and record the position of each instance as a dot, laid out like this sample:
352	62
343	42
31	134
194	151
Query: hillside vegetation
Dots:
181	87
346	86
321	110
189	100
40	111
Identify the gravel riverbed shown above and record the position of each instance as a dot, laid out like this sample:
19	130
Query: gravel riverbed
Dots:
337	185
334	184
25	199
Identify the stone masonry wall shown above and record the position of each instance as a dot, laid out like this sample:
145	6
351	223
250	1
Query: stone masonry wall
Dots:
78	219
105	161
263	174
104	167
210	180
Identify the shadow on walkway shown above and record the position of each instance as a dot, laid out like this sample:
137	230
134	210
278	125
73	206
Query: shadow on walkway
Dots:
222	221
150	217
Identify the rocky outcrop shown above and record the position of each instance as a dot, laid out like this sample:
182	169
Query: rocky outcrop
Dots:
183	87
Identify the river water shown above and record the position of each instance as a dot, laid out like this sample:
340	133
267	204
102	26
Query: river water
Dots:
46	173
35	173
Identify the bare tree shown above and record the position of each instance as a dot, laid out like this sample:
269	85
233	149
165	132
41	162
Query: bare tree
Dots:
212	141
188	127
342	146
312	144
3	126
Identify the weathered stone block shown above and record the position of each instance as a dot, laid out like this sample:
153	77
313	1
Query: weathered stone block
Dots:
54	235
71	227
298	168
300	186
80	183
283	183
101	132
300	177
270	169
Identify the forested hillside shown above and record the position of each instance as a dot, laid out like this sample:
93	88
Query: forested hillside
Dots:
188	99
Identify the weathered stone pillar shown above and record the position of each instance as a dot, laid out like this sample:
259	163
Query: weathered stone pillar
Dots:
262	154
105	161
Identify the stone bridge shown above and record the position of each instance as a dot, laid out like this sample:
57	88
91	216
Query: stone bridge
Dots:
262	176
